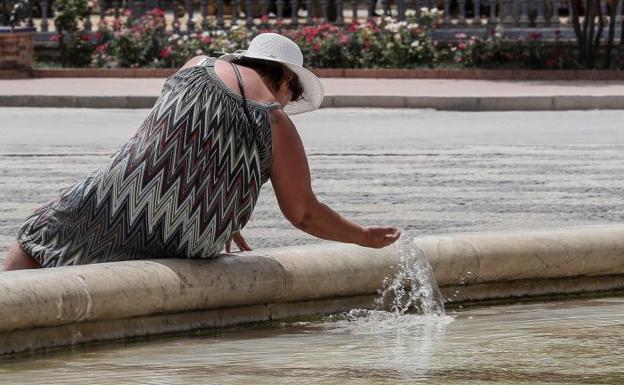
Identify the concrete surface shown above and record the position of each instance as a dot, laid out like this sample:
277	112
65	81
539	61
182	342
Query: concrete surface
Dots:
91	294
462	95
122	290
427	172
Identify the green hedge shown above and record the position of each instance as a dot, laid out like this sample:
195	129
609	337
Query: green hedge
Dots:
386	43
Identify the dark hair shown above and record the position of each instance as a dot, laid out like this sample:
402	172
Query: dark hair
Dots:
273	72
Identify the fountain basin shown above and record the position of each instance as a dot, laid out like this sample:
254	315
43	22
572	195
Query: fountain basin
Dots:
68	305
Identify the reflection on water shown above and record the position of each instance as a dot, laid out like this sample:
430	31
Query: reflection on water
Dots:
402	344
546	343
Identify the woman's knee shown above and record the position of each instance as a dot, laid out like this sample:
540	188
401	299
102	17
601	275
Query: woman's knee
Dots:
18	259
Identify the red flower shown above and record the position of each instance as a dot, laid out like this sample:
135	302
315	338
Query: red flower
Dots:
85	37
344	39
325	27
264	18
316	47
535	36
166	52
372	25
461	46
157	12
206	39
101	48
310	33
55	37
353	27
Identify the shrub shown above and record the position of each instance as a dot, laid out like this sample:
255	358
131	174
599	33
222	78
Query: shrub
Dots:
386	43
75	47
146	43
495	51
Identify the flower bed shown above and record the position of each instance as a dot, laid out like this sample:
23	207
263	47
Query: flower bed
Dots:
383	43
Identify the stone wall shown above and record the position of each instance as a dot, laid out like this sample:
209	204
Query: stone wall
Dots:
16	54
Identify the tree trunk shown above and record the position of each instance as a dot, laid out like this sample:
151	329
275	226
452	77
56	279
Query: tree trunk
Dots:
589	41
622	33
574	10
596	44
612	13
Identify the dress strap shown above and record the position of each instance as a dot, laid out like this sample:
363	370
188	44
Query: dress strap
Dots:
242	90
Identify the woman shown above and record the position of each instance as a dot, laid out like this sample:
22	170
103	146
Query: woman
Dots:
187	182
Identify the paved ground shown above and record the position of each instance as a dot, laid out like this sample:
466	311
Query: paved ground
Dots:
425	171
454	95
333	86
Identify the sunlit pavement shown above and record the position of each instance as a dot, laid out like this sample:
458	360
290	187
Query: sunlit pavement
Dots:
427	172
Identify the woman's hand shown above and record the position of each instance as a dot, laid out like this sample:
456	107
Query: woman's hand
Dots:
237	237
378	237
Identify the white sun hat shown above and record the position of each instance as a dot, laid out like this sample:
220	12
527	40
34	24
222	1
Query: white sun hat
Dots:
274	47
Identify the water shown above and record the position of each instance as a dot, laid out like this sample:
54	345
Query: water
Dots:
413	285
412	288
565	342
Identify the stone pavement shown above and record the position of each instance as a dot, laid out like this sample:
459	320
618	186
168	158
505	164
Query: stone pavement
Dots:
443	94
424	171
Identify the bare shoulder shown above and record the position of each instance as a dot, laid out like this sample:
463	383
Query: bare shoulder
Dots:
281	121
286	138
193	61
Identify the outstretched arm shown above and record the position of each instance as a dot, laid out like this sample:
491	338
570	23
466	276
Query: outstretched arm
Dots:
290	176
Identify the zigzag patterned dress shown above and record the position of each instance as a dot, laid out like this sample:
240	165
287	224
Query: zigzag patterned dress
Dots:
179	188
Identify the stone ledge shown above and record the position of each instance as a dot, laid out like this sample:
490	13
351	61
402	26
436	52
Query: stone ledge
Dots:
79	304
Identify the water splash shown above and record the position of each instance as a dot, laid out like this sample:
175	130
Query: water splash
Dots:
413	287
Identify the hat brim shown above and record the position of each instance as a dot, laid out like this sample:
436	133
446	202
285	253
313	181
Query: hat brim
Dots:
313	91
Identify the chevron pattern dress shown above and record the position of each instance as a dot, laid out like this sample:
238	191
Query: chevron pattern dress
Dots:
187	179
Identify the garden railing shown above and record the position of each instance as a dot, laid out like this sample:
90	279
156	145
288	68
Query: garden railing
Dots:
467	15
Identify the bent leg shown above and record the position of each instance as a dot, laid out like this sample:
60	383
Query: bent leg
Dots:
18	259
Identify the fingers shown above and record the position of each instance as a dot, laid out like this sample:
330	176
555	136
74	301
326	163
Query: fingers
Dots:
393	234
383	236
241	243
